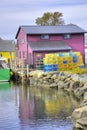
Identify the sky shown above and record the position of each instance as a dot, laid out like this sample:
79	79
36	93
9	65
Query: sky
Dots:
14	13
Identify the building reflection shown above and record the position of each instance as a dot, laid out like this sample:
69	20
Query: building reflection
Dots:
39	103
26	105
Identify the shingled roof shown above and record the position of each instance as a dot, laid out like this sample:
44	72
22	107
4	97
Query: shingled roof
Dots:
58	29
7	45
49	46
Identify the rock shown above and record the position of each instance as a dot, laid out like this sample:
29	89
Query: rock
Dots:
85	86
54	76
75	77
50	80
74	85
48	76
82	123
78	92
53	85
78	114
67	79
76	128
83	103
85	96
82	80
61	84
36	73
60	75
67	85
56	80
45	82
46	86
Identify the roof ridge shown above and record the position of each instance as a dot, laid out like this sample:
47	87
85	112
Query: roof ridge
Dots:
42	25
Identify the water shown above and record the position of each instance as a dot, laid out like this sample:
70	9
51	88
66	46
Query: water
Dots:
28	108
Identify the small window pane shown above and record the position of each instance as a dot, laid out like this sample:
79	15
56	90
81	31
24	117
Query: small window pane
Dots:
44	36
67	36
21	40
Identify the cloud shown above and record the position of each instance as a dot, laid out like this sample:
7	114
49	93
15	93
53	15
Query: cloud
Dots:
14	13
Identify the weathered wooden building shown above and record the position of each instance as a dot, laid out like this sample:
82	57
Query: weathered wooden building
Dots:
7	49
34	42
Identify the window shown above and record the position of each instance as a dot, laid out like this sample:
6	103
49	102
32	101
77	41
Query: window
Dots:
67	36
45	36
21	40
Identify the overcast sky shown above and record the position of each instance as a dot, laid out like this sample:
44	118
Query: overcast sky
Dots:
14	13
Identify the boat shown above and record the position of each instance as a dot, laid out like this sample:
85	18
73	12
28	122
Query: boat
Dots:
4	70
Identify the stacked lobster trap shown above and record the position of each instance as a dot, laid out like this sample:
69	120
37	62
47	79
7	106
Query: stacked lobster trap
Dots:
63	61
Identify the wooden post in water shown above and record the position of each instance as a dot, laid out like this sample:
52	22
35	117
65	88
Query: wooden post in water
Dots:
27	62
11	59
27	70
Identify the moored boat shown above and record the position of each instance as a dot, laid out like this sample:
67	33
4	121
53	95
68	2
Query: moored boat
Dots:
4	70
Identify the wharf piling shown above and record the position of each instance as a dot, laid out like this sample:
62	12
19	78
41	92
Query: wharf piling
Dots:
20	76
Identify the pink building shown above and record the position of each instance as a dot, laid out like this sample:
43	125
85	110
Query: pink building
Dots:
35	41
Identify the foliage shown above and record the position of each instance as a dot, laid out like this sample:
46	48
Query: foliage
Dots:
49	18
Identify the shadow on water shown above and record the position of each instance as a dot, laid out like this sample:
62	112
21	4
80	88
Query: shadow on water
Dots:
31	108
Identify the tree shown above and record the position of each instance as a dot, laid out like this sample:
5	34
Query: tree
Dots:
49	18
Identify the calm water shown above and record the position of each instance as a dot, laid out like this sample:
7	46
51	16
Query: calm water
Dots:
26	108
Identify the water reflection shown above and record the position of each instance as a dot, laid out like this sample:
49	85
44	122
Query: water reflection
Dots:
28	108
8	107
46	107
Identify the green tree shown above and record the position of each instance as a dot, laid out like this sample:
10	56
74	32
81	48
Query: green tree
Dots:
49	18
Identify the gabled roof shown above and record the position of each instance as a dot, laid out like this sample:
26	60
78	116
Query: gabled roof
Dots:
58	29
49	46
7	45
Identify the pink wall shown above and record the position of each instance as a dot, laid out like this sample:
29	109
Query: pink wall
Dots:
22	46
21	41
76	42
34	38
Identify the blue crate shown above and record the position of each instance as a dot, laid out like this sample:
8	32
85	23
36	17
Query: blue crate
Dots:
47	68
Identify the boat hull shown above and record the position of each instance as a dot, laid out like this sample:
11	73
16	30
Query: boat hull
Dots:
4	75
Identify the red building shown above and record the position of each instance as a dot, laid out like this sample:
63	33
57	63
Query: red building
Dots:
35	41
